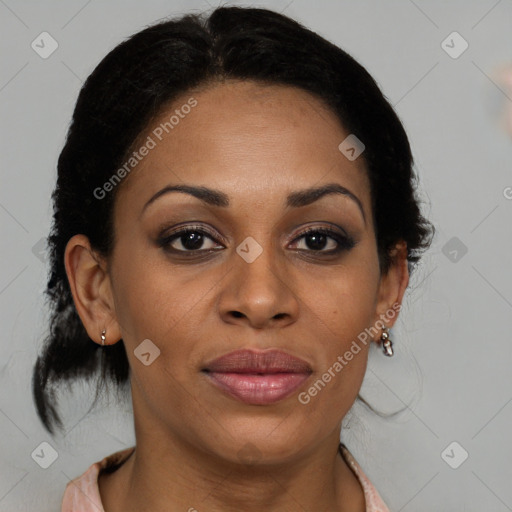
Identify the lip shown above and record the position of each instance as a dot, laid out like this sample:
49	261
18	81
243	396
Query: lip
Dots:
258	377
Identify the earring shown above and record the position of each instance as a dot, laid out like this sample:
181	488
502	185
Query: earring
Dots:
387	344
103	337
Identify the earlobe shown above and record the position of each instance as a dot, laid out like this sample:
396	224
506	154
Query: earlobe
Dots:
91	289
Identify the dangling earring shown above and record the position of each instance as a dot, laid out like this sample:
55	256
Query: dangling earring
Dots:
103	337
387	344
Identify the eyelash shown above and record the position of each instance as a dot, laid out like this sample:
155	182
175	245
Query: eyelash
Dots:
345	243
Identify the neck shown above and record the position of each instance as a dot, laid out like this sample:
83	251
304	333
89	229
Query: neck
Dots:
171	471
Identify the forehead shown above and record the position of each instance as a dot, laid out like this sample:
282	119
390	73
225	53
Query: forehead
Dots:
248	139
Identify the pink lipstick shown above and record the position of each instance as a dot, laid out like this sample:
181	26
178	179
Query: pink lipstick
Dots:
258	377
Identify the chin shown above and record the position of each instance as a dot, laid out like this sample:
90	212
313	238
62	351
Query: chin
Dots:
262	442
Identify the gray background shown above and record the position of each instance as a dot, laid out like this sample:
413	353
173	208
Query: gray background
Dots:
452	368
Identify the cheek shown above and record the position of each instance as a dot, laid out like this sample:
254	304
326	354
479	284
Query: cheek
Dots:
341	354
344	302
150	298
153	303
156	302
341	308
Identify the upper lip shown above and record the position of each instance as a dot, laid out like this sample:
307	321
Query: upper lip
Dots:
252	361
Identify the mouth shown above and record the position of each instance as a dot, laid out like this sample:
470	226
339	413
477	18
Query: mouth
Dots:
256	377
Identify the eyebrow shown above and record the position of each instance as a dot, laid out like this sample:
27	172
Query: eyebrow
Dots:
295	199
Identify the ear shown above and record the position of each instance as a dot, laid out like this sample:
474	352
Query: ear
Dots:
91	289
392	287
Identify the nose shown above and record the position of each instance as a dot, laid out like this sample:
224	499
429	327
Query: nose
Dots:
259	294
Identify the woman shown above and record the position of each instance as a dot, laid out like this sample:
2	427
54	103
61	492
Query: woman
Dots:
235	223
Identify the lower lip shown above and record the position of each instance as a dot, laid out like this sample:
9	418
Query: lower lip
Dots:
258	389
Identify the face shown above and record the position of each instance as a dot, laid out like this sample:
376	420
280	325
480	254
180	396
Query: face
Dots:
263	265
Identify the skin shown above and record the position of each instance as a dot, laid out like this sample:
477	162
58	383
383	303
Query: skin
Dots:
256	144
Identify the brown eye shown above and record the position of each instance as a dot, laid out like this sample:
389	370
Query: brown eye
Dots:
319	239
191	239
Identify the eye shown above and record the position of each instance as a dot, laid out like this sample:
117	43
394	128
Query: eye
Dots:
324	240
191	239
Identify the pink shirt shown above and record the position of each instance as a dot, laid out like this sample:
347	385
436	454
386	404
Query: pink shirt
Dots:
82	494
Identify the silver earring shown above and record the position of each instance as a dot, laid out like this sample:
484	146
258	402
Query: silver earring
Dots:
103	337
387	344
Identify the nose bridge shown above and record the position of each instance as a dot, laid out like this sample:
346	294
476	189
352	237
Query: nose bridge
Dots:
258	285
257	264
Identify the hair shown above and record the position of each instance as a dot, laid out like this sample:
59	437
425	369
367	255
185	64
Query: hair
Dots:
142	76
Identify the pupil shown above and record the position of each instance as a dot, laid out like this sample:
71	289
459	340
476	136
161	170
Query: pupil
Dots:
318	241
192	241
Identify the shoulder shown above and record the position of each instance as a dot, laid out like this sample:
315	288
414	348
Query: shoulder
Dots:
374	502
82	493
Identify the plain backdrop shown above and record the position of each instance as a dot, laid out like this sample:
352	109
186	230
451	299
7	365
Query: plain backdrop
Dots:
452	368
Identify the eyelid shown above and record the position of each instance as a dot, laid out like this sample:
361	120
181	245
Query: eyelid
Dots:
325	226
191	226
